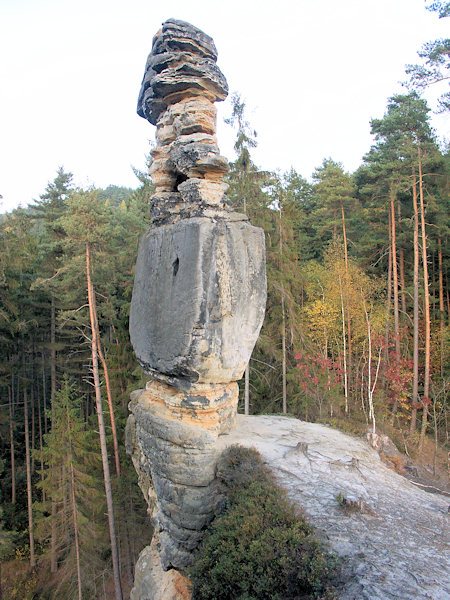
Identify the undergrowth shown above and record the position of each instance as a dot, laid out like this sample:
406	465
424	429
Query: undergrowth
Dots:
259	547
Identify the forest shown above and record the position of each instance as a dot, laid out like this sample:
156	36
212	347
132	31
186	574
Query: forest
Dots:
356	335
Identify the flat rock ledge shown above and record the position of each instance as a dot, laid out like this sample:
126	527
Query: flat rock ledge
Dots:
396	544
396	538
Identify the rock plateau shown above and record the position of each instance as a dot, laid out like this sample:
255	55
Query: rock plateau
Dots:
394	539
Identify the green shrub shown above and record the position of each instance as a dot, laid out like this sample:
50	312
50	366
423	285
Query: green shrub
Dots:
259	547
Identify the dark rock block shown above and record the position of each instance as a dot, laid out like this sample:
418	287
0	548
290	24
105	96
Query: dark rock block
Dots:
182	36
182	58
197	157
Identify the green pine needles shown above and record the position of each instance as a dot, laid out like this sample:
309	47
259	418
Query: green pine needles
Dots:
72	510
259	547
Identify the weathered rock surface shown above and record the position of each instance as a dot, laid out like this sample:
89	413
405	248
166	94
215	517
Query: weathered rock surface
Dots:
151	582
393	536
183	58
172	437
181	83
397	545
198	300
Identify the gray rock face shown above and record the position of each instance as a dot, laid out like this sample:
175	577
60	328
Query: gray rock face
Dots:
152	582
172	438
394	540
198	300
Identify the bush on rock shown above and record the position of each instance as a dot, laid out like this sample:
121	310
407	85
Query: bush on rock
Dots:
259	547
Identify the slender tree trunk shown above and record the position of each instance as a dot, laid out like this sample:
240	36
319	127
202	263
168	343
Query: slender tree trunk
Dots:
44	391
433	287
53	537
415	388
402	266
426	385
66	500
349	352
448	299
18	390
435	436
283	350
33	421
11	441
325	333
345	348
73	503
349	324
369	374
395	278
101	426
370	387
388	301
402	283
344	233
110	402
52	353
247	390
40	436
28	467
53	554
441	306
76	532
283	324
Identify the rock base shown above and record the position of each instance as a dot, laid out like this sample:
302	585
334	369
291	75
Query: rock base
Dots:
172	437
151	582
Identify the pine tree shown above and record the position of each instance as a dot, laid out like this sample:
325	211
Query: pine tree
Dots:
88	230
48	212
435	67
71	484
404	152
246	183
336	192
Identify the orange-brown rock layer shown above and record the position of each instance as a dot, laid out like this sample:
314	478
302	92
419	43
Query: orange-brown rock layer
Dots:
211	407
151	582
181	83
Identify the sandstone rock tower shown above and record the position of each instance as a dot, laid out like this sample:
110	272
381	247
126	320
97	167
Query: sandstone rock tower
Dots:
199	294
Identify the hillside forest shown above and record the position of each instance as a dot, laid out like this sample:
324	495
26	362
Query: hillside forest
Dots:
356	335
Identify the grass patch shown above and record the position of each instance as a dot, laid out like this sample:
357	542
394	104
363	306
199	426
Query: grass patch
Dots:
259	547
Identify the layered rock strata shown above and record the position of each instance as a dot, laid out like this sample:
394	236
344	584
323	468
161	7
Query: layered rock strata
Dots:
181	83
198	299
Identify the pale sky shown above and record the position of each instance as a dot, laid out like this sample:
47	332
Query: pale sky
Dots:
313	74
